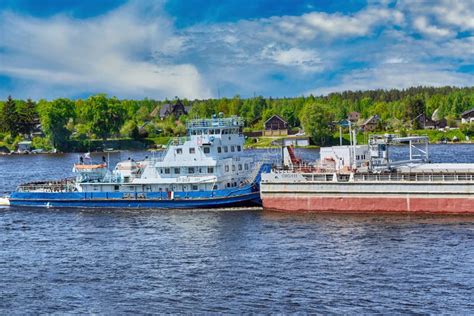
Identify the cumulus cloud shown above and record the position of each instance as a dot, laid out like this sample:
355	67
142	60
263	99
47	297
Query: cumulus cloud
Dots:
136	51
422	25
305	59
332	26
110	53
398	76
441	18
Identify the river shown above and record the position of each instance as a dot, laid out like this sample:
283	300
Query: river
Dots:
150	261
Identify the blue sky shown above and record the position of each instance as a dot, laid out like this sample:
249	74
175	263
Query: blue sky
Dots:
202	49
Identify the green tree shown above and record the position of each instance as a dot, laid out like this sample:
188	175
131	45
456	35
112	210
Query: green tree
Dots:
414	107
103	116
316	118
10	117
54	117
26	115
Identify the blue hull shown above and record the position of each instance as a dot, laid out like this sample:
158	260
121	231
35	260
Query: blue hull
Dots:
190	200
248	195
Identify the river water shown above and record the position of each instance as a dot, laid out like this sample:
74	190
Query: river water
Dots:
149	261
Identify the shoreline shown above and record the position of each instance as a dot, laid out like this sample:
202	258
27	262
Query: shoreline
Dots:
162	149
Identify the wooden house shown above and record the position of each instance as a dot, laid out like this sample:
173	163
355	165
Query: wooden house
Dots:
371	123
275	126
354	117
176	110
467	116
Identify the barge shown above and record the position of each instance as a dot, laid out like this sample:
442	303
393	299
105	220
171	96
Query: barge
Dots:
364	179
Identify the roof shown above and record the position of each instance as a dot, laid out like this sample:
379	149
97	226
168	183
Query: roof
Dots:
277	116
155	111
468	113
165	108
370	119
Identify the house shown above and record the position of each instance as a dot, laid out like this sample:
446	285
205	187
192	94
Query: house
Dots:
275	126
354	117
438	122
177	109
467	116
371	123
423	122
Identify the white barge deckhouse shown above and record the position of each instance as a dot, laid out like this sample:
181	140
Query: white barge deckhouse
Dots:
205	169
364	178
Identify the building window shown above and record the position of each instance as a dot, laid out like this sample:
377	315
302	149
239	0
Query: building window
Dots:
233	167
239	148
246	166
240	166
192	150
232	148
219	149
179	151
167	171
226	149
207	150
210	170
226	168
177	170
190	170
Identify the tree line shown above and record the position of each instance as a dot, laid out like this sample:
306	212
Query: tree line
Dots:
103	117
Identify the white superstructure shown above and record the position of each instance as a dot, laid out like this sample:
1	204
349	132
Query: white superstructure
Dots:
209	157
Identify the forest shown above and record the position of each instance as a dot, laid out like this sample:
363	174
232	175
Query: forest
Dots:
56	123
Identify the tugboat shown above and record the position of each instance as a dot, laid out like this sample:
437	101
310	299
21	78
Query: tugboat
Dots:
205	169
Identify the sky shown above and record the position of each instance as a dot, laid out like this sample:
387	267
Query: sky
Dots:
216	48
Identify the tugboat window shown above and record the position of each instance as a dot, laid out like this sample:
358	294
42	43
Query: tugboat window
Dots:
210	170
177	170
192	150
179	151
195	187
207	150
219	150
190	170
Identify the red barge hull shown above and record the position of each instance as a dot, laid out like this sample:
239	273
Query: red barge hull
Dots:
363	204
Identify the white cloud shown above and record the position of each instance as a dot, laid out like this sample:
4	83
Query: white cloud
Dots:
421	24
135	51
398	76
323	25
440	18
305	59
110	53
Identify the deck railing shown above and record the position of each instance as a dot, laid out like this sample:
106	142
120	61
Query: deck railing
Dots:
48	186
